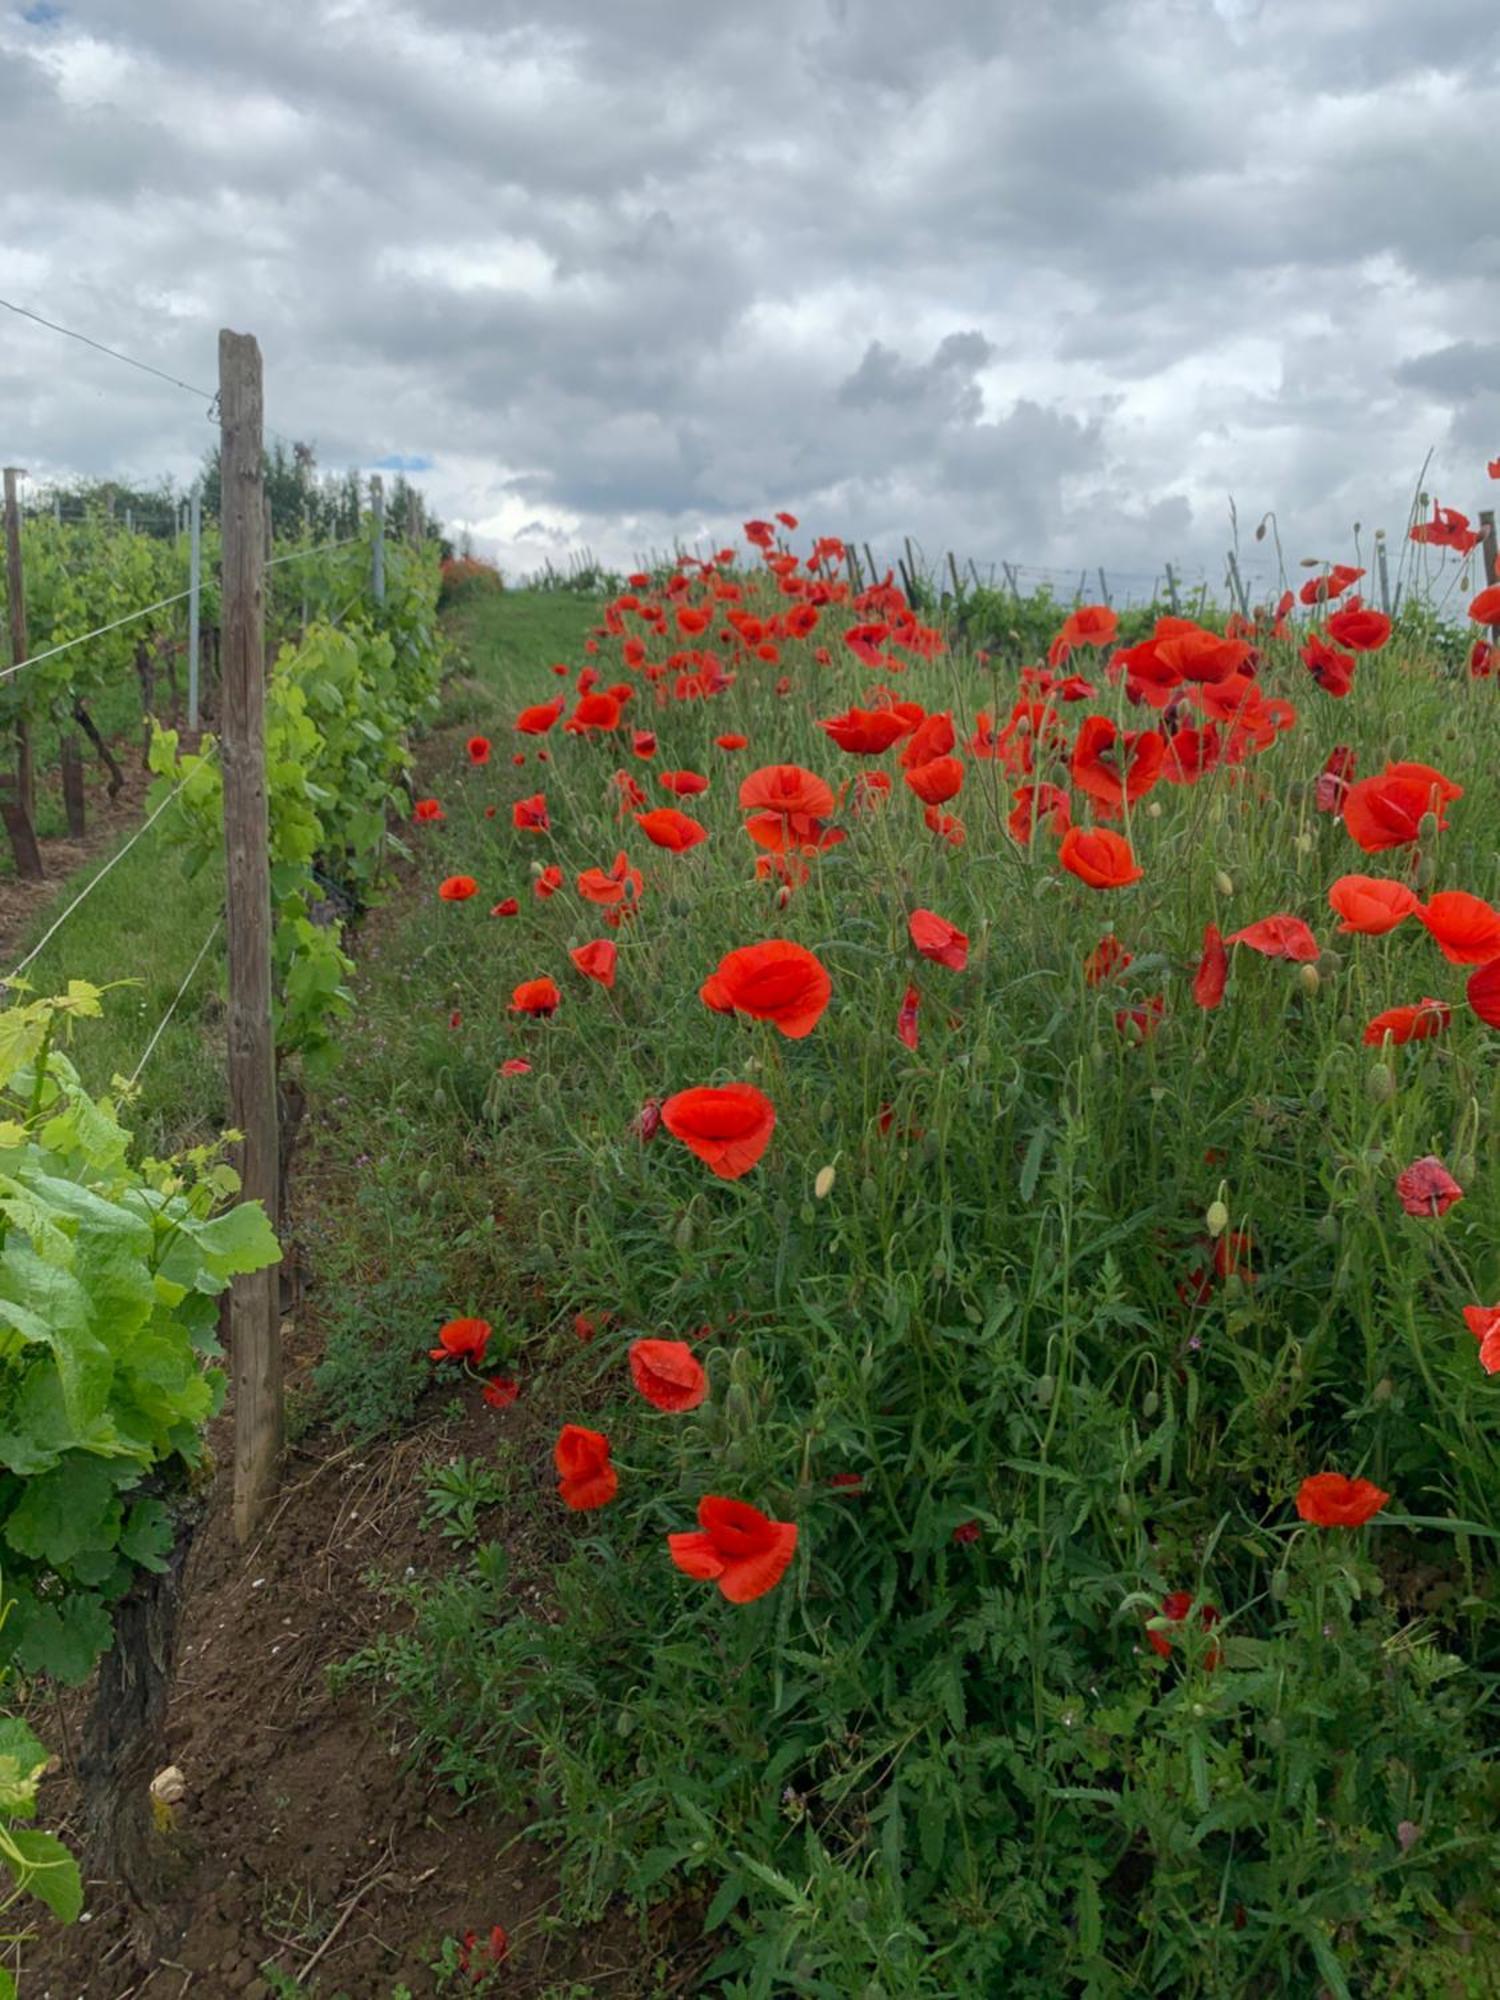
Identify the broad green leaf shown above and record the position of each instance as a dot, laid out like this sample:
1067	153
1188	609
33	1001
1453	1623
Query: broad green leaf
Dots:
48	1872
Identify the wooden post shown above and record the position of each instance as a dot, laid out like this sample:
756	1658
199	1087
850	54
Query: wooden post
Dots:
413	517
254	1322
1104	587
1382	572
1010	578
1236	585
18	804
870	565
1172	590
1491	555
377	545
958	589
195	596
853	562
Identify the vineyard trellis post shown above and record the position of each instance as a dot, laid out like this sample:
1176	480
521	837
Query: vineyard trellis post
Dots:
195	596
1491	553
254	1318
377	544
1382	572
18	802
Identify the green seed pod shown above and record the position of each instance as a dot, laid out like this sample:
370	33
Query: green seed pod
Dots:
424	1180
1153	809
807	1215
1125	1506
1463	1169
1217	1218
1281	1583
1150	1403
1296	792
869	1193
1384	1389
1223	883
682	1234
1396	749
1330	961
1328	1228
1427	827
1309	979
1380	1085
1426	870
1046	1389
625	1723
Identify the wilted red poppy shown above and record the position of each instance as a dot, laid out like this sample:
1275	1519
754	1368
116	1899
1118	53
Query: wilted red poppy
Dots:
501	1391
685	784
1330	1500
1409	1024
1111	768
427	812
1213	969
1484	1323
865	732
1426	1187
1334	780
1099	858
1386	811
1139	1024
906	1019
736	1546
1108	957
937	939
786	789
937	781
1176	1610
530	815
1362	631
1465	927
596	961
535	996
1485	608
665	826
586	1479
1279	937
457	888
1371	905
537	720
727	1125
462	1340
478	748
778	981
668	1374
1483	993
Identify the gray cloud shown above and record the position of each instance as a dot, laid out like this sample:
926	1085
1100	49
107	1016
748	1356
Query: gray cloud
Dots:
1035	283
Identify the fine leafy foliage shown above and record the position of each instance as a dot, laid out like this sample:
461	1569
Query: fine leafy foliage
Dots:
110	1275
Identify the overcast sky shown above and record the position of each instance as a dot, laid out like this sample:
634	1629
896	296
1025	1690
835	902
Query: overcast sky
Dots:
1035	280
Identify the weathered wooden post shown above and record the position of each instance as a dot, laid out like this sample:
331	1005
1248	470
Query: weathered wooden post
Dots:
18	801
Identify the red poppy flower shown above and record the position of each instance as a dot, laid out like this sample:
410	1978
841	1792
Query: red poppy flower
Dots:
665	826
1034	804
787	520
509	908
530	815
586	1479
478	748
1334	780
938	781
515	1066
1141	1023
1099	858
548	882
684	784
427	812
668	1374
1190	754
736	1546
937	939
607	889
1110	775
1195	654
1448	529
1321	589
643	743
501	1391
594	711
596	961
537	720
1362	631
1484	1323
1485	608
1409	1024
457	888
1213	969
691	620
1330	1500
1332	670
1089	625
497	1949
535	996
462	1340
906	1020
1279	937
778	981
865	732
1466	928
1107	958
946	825
1176	1609
966	1534
1371	905
1483	993
934	736
1426	1187
732	742
728	1125
786	789
1386	811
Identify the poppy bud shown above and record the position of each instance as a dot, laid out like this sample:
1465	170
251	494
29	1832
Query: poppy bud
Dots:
1153	809
1463	1168
823	1185
1223	883
1217	1218
1380	1085
1150	1403
1296	792
1309	978
1046	1389
1330	961
1328	1228
1426	873
424	1180
1397	749
869	1193
806	1214
682	1235
1384	1389
1427	827
1304	843
1281	1583
1125	1506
